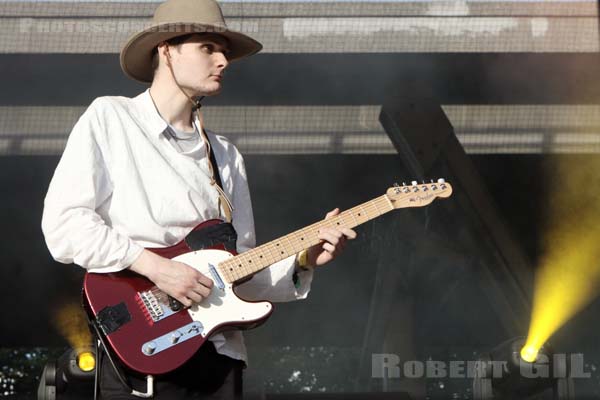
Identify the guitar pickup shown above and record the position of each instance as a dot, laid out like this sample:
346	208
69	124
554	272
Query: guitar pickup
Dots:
216	277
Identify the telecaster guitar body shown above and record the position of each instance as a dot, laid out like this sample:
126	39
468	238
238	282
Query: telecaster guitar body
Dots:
143	330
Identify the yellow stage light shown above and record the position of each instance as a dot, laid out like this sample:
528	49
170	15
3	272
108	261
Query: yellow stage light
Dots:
86	361
567	278
529	353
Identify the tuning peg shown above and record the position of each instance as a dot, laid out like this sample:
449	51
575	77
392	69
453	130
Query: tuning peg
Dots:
414	183
441	180
403	183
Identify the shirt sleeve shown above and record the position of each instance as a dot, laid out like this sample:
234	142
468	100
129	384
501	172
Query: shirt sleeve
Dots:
275	283
73	231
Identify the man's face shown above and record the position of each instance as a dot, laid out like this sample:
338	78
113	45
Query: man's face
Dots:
199	63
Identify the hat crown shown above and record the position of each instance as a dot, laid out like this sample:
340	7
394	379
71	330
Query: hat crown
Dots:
205	12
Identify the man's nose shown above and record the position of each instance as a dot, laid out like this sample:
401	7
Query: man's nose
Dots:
222	60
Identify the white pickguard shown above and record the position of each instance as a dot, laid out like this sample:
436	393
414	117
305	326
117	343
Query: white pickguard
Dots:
222	306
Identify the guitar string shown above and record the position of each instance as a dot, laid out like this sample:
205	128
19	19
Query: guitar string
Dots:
368	208
312	230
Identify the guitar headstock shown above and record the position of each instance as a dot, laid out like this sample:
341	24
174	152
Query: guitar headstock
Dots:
418	194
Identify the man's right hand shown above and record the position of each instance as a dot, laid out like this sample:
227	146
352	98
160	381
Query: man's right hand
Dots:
177	279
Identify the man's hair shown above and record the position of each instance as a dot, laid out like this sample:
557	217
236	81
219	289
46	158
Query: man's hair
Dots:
176	41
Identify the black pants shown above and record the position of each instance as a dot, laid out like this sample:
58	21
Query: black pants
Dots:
207	375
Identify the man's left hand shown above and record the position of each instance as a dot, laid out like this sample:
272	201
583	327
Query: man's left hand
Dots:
332	243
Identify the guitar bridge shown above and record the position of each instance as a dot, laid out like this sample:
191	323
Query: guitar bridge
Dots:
155	305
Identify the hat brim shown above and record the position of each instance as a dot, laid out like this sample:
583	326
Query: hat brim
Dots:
136	54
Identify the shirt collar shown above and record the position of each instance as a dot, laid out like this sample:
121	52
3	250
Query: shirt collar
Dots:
148	110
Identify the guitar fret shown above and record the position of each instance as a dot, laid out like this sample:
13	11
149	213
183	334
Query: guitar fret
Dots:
278	247
385	203
310	237
363	212
229	270
224	270
291	249
351	213
260	256
232	272
287	248
266	256
299	243
374	209
273	252
295	239
237	267
305	238
246	262
373	204
338	221
352	222
259	259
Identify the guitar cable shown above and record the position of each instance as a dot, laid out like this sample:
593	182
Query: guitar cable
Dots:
97	371
101	349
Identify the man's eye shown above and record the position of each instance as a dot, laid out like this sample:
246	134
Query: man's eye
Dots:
208	48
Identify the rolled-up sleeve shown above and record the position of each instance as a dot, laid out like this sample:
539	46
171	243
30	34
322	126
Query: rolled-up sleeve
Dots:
275	283
73	231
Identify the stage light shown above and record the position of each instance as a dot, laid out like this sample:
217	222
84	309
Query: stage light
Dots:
72	374
514	370
529	353
86	361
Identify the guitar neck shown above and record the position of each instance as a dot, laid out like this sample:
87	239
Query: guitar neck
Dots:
252	261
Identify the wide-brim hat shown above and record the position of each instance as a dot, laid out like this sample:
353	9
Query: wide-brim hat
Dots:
175	18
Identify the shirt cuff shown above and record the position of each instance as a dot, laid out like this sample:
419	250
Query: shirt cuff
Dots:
302	279
133	252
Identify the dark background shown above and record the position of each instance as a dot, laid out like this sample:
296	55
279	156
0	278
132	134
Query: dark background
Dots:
451	313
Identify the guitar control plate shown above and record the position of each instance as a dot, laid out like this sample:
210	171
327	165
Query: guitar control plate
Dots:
173	338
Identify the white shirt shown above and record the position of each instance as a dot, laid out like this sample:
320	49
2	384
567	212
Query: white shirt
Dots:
120	186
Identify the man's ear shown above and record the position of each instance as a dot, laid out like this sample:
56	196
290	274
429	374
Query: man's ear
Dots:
160	48
163	52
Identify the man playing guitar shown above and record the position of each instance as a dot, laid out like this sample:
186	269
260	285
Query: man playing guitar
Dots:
136	174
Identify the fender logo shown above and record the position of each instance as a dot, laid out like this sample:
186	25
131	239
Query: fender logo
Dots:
421	198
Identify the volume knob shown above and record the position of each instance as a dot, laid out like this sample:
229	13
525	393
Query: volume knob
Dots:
175	337
149	348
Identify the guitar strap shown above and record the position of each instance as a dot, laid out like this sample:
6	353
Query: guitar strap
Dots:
215	167
224	203
215	178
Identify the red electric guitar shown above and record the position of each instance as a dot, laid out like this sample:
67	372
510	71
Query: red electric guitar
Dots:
152	334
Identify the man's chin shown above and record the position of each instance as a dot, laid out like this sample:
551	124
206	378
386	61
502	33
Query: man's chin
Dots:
210	91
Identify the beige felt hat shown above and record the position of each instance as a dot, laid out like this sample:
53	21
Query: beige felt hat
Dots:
175	18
